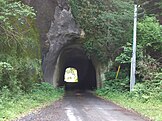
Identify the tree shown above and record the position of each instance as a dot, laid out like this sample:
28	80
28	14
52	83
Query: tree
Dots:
107	25
152	7
19	47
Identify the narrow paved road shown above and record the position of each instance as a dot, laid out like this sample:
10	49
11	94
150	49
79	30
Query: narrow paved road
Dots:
81	106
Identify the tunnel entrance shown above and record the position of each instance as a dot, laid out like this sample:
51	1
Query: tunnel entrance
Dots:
71	78
71	75
75	57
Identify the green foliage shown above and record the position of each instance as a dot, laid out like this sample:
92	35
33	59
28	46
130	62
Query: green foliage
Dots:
112	84
144	91
147	67
15	26
125	56
7	77
14	105
117	85
110	75
149	32
20	76
5	67
45	87
20	65
15	10
18	35
148	90
150	38
103	23
149	35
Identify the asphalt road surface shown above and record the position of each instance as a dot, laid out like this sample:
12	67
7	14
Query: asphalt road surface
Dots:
82	106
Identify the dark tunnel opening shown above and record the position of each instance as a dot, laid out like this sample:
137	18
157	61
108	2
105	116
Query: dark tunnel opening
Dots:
76	58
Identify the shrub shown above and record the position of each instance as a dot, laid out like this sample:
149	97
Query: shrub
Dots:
147	90
7	77
147	68
117	85
110	75
22	75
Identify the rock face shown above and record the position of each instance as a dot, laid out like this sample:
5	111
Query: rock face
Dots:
63	31
45	15
45	10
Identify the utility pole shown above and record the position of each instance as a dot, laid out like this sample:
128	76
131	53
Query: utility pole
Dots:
133	60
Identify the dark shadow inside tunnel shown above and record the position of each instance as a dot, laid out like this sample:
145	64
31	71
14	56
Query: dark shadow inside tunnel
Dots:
75	57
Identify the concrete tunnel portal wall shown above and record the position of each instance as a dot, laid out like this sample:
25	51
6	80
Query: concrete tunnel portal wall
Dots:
75	57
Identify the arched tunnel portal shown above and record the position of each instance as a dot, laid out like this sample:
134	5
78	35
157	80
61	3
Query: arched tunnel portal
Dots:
57	27
74	56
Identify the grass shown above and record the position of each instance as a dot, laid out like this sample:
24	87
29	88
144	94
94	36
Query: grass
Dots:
151	109
13	106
